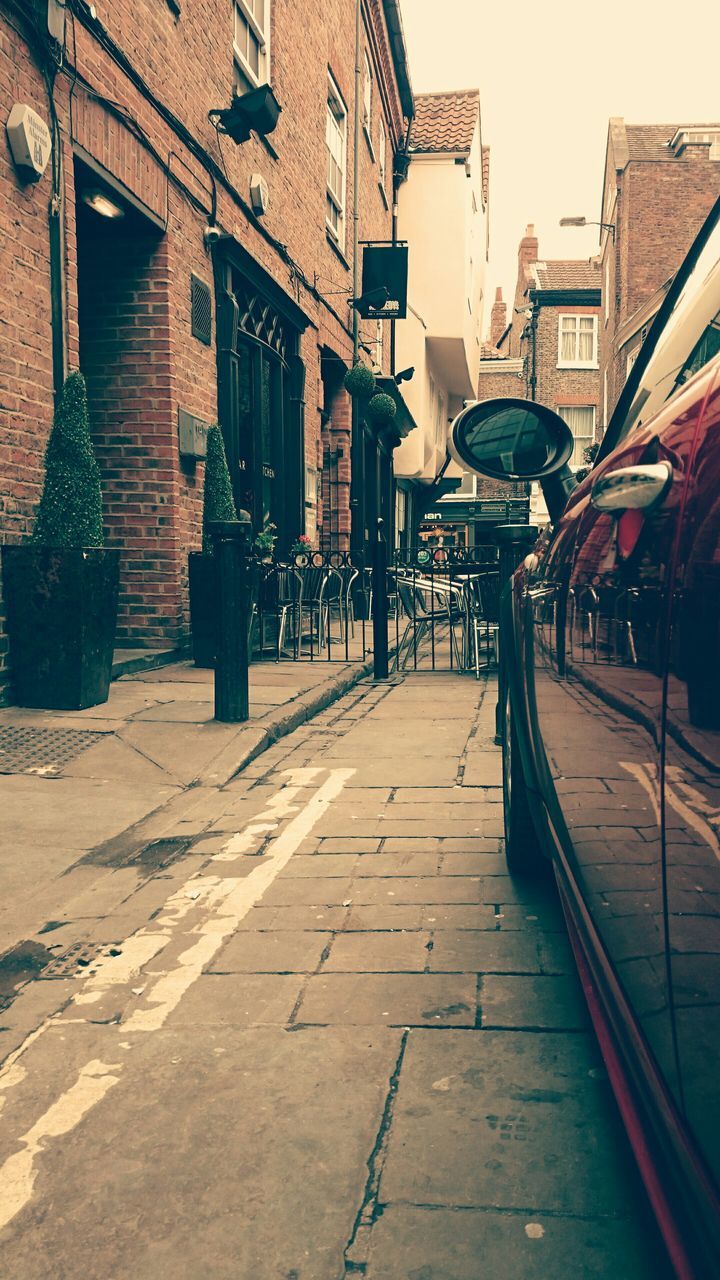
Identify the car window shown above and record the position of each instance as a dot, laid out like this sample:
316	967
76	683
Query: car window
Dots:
688	338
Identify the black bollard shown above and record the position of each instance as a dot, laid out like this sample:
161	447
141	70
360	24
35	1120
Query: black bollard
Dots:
380	606
233	552
514	541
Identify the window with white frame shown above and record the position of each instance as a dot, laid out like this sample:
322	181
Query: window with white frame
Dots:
630	360
577	342
336	140
400	515
581	421
251	43
606	293
378	353
367	93
382	150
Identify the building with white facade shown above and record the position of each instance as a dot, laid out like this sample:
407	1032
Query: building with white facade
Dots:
443	214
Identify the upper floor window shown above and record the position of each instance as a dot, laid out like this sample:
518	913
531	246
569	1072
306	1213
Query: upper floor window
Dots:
577	342
251	43
382	152
336	140
581	421
367	92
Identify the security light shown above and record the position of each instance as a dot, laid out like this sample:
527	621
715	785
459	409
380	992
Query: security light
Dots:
255	112
102	204
404	375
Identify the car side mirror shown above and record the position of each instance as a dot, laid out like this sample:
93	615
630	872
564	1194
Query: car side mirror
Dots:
512	439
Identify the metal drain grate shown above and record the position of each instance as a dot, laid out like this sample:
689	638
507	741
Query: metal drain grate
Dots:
78	957
24	749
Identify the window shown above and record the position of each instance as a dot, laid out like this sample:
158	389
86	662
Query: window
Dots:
606	293
382	146
577	342
631	358
335	137
378	355
251	43
367	93
400	515
581	421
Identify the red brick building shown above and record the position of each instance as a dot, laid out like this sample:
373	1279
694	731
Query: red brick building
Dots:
660	183
189	277
548	349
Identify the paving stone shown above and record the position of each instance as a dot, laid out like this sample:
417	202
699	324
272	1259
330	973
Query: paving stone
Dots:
507	1120
289	891
483	768
323	865
382	865
459	916
389	999
550	1003
441	889
348	844
467	864
238	1000
443	1244
384	918
483	951
284	951
301	918
377	953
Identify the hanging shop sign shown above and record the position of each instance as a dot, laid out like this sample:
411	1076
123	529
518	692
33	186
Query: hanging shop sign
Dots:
30	141
384	282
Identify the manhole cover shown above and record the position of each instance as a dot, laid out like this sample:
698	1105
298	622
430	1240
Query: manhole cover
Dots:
24	749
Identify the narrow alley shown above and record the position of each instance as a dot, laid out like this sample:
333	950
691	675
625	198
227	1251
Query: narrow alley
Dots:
326	1035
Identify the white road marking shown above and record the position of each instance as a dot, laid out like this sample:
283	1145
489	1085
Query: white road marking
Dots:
18	1173
688	815
226	902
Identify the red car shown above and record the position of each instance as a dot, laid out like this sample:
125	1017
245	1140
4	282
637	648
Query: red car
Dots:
610	690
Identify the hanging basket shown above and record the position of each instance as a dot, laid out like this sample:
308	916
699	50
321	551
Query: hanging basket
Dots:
381	409
359	381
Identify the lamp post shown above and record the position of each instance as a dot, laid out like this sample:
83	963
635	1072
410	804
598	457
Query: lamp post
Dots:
583	222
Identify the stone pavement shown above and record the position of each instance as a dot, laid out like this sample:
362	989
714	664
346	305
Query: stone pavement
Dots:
323	1035
76	779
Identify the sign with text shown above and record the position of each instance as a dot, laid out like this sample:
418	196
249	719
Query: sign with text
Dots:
384	282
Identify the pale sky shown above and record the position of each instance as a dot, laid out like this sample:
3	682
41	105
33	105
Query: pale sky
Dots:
550	75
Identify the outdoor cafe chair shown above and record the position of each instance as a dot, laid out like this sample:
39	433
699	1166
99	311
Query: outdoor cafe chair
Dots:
483	601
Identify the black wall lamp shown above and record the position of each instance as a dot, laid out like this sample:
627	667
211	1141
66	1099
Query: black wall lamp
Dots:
404	375
255	112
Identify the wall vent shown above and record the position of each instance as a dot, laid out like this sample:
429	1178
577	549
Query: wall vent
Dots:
200	310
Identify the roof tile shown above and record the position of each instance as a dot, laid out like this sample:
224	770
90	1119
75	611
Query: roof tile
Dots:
445	121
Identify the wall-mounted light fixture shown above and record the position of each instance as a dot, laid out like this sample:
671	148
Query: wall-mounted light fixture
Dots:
255	112
583	222
405	375
102	204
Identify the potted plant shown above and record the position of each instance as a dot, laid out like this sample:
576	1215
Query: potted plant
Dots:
61	588
381	409
218	504
301	550
264	544
359	381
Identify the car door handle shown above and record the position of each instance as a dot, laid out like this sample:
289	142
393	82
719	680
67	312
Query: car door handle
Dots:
631	488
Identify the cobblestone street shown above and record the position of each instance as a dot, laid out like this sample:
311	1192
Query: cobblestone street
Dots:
331	1037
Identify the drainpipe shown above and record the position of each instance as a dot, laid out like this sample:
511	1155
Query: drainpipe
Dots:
357	453
400	168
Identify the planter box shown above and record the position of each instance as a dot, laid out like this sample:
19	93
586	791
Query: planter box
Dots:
203	586
61	617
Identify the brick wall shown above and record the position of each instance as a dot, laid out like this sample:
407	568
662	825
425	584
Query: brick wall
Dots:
142	310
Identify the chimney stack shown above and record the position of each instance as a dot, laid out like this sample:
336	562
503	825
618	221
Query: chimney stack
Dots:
528	251
498	318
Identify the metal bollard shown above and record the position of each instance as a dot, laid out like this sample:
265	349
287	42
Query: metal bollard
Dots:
380	606
231	539
513	540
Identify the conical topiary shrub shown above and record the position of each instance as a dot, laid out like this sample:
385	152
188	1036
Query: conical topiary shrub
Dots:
359	381
218	503
61	588
70	511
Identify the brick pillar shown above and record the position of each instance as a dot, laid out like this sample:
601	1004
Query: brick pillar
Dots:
124	318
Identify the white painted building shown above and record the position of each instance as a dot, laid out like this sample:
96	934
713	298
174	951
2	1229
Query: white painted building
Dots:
443	214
